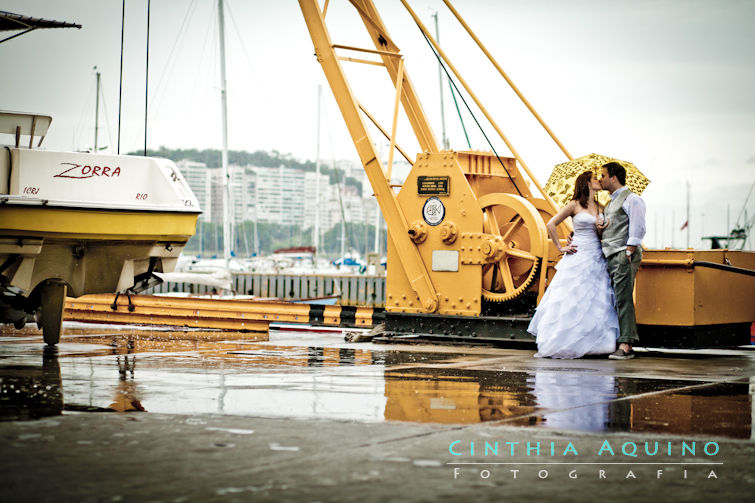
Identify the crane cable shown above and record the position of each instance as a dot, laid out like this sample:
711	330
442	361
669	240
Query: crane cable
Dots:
461	119
440	61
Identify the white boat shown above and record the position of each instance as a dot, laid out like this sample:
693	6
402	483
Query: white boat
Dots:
80	223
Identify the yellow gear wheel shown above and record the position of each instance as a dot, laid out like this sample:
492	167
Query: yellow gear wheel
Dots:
525	240
504	296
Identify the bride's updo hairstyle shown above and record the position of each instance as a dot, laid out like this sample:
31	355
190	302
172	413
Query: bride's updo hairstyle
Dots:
582	189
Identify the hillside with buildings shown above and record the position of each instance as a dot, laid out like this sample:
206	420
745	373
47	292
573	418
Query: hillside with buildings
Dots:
275	200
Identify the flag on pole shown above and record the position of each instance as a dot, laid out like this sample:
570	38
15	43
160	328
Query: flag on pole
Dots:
685	225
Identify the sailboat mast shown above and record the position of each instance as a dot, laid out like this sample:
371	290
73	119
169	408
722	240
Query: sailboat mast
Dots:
316	230
224	158
343	233
97	111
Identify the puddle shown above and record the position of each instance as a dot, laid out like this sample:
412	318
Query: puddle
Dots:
575	401
31	392
184	372
718	409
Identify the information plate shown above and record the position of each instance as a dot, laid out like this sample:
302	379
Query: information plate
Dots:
432	185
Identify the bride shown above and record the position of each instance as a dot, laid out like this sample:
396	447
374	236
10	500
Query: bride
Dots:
576	316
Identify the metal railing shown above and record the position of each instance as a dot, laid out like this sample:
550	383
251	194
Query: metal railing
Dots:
350	290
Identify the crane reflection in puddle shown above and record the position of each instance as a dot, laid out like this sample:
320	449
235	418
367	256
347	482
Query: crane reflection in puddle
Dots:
572	401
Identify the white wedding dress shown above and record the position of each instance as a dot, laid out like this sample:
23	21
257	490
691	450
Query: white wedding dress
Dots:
577	314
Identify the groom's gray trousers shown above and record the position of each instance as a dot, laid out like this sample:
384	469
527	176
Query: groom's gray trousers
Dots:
622	271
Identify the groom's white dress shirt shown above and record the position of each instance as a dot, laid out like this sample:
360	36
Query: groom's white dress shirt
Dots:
634	207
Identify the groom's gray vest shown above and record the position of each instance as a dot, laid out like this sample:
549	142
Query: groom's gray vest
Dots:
616	235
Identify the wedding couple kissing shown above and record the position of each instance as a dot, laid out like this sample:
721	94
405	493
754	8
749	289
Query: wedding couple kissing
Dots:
588	307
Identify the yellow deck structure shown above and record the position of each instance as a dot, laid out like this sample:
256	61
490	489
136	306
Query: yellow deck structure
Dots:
695	297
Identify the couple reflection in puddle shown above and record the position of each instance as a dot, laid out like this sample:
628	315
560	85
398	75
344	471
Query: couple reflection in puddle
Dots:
578	400
597	402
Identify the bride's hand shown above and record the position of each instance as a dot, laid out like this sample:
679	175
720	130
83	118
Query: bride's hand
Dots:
568	249
601	223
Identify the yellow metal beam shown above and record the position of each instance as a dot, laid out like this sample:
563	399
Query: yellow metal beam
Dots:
210	313
508	80
409	98
167	320
358	60
409	257
385	133
371	51
399	81
668	262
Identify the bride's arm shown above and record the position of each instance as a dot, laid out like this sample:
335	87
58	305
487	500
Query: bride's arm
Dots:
563	213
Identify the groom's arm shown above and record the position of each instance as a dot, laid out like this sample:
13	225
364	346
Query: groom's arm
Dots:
635	208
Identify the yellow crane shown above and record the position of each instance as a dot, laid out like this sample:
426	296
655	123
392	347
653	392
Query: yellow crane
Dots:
464	226
466	232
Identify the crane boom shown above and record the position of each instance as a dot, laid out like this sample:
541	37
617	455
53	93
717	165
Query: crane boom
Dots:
410	259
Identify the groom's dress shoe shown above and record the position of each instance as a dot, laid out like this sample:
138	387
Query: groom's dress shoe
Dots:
620	354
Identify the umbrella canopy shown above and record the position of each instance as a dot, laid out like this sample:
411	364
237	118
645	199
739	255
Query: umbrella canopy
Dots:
560	185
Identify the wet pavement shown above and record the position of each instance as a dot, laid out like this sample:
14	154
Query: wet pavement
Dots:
108	377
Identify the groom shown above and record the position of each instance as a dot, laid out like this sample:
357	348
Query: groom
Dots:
621	241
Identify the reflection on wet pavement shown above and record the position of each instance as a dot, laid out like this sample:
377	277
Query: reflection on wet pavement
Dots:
29	391
315	375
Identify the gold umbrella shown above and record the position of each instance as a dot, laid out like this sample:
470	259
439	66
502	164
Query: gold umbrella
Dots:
560	185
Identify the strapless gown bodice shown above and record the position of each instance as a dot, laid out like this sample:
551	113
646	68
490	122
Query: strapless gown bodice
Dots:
585	231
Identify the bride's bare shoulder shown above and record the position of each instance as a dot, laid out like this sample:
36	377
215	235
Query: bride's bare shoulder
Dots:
572	207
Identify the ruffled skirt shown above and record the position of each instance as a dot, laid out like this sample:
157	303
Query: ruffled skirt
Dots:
577	314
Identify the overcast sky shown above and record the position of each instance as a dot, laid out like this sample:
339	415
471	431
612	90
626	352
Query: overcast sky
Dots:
667	85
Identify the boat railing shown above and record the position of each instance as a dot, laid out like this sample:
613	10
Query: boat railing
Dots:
24	124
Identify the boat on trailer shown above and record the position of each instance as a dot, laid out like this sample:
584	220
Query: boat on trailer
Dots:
74	223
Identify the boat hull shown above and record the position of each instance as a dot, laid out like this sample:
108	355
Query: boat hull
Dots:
73	223
95	224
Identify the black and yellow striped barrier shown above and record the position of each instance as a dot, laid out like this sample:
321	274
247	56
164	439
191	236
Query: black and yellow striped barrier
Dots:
228	314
